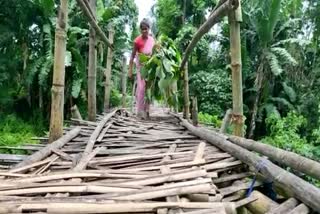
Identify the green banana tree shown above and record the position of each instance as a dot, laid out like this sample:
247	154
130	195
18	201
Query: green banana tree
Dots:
272	56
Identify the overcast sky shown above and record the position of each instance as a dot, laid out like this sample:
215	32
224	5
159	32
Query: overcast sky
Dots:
144	7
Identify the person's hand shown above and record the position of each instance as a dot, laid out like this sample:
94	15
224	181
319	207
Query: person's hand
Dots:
157	46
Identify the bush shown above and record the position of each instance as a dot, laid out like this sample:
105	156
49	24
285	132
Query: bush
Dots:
14	131
115	98
284	134
213	90
208	119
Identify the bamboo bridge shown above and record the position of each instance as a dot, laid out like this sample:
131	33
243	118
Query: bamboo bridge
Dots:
121	164
116	163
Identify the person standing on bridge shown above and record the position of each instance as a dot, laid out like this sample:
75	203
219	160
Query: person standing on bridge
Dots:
142	44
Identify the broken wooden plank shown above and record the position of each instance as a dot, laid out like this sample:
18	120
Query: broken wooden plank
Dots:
84	159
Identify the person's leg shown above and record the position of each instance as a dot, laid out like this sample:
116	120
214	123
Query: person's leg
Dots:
140	93
147	104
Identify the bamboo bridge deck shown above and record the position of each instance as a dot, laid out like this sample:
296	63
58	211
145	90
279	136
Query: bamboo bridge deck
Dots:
124	165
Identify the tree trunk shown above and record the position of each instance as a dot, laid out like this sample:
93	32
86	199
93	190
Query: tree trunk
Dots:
25	61
92	71
124	82
57	91
108	73
186	110
40	98
195	111
254	115
235	49
184	11
75	113
259	80
226	121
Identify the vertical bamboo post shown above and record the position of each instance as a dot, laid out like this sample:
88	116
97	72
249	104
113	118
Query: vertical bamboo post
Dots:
235	18
108	72
57	91
186	109
92	68
124	82
195	111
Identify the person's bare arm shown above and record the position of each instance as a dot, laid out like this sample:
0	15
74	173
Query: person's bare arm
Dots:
133	54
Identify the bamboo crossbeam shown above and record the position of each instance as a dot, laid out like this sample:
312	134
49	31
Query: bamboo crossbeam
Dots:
291	159
216	15
93	23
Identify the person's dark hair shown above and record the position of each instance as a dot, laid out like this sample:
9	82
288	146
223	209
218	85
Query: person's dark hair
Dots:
145	22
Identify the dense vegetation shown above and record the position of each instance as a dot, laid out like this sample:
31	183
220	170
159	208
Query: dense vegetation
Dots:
280	62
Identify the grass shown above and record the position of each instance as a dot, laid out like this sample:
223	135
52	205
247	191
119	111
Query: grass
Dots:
15	131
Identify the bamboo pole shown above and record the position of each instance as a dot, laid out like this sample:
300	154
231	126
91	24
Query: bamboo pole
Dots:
186	110
235	18
94	24
92	71
46	151
285	207
271	171
57	91
291	159
261	205
195	111
124	82
108	73
83	162
78	207
215	17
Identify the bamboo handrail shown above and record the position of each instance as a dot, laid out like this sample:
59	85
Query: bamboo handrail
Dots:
94	24
220	12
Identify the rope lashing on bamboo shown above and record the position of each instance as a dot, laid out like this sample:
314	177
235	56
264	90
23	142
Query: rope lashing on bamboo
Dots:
262	163
236	118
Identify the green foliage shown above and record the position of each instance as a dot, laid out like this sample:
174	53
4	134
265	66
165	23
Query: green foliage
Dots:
161	71
14	131
115	98
208	119
213	90
168	13
285	134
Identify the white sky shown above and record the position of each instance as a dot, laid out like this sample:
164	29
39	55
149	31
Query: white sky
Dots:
144	7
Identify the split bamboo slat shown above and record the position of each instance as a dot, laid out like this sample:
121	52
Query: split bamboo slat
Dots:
120	164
